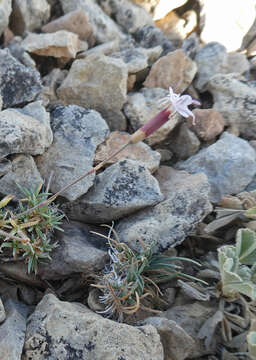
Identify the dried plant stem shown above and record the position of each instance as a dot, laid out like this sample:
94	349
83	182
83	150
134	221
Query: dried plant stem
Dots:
91	171
9	236
139	135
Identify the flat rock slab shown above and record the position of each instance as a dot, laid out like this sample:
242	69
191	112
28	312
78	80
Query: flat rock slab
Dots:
22	133
62	43
18	83
77	132
222	162
140	152
168	223
12	331
98	82
79	251
123	188
62	330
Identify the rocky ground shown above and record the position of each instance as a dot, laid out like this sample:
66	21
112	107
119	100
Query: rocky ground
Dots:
76	79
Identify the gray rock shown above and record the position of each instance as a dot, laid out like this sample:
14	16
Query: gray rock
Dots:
102	49
183	142
222	163
128	15
190	318
143	105
18	84
135	59
140	152
5	166
18	272
169	222
97	82
213	59
77	133
120	190
5	11
62	330
235	99
149	36
104	28
29	15
78	251
20	54
60	44
191	45
177	343
23	172
22	133
12	331
2	312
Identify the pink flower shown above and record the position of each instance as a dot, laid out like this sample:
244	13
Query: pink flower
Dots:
173	103
179	103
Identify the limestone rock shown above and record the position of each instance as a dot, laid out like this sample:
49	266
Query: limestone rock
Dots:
209	123
98	82
149	36
76	22
77	132
235	99
29	15
135	59
183	142
18	84
190	318
169	222
23	172
59	44
78	251
140	152
143	105
23	133
2	312
177	343
58	329
174	69
123	188
104	28
20	53
221	162
5	166
12	331
213	59
5	11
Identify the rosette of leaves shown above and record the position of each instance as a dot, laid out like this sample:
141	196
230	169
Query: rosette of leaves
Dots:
238	266
133	277
29	236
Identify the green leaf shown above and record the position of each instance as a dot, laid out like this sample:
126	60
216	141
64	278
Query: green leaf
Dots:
246	246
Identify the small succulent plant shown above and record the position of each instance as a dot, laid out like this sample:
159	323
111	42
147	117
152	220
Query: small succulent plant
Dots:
28	236
238	265
131	277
